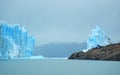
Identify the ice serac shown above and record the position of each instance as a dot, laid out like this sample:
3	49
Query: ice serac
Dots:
15	42
97	38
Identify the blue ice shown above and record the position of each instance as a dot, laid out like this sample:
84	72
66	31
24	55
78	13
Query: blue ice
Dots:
15	41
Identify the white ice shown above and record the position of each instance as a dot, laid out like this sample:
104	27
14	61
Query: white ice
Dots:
15	42
97	38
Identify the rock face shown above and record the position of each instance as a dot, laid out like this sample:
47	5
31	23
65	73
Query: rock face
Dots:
109	52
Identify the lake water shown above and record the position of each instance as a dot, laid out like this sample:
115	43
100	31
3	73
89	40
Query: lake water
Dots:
58	67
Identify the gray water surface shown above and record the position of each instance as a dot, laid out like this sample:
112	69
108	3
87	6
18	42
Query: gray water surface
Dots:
59	67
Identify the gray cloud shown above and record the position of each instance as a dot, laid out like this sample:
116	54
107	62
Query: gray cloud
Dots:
54	21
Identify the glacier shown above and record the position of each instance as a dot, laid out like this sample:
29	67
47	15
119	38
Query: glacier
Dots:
97	38
15	42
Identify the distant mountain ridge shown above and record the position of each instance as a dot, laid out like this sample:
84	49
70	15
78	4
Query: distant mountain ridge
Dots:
59	49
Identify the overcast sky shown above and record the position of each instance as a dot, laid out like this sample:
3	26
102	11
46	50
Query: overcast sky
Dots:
68	21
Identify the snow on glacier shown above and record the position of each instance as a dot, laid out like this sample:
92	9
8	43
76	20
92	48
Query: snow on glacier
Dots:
97	38
15	42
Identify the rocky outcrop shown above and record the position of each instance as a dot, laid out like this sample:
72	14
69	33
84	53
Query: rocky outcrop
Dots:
109	52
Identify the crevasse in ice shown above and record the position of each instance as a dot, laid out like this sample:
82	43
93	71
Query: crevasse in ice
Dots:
15	42
97	38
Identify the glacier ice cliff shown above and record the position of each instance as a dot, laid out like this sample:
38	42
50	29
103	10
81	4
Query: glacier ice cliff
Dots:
97	38
99	47
15	42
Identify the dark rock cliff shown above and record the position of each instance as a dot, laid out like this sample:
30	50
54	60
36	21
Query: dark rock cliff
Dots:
109	52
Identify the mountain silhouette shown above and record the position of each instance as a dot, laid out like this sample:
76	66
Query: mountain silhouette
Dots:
59	49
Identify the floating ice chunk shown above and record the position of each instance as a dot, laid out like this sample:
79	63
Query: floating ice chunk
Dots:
37	57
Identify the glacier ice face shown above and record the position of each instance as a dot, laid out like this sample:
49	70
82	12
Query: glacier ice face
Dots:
97	38
8	49
15	41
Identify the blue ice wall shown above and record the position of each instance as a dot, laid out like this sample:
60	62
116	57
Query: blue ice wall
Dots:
15	41
97	38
